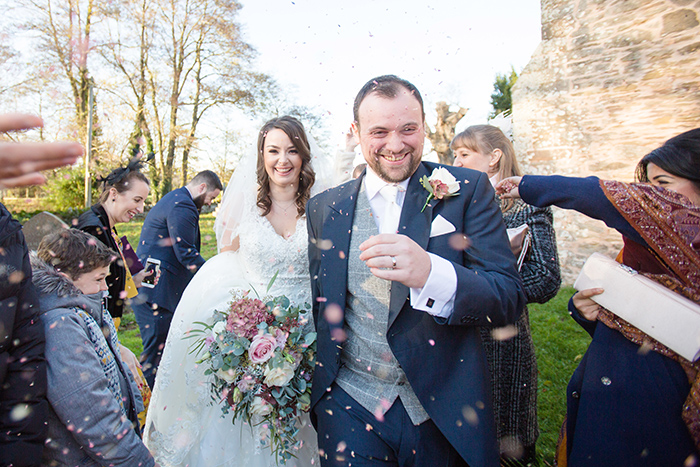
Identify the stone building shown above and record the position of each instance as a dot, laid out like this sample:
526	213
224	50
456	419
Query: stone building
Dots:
610	81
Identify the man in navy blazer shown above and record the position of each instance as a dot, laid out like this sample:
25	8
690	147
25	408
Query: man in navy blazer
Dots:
401	378
170	234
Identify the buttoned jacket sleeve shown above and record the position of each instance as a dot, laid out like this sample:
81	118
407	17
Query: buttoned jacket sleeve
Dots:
489	290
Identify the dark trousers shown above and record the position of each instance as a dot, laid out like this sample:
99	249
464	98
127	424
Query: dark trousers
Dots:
154	324
349	435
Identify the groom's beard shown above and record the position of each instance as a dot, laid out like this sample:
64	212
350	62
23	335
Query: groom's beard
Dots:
199	202
399	174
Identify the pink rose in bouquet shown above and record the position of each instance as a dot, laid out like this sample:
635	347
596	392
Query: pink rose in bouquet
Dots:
262	348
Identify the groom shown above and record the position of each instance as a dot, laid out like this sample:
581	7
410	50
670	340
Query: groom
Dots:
399	293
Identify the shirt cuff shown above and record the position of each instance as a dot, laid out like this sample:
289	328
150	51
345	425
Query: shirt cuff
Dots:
437	296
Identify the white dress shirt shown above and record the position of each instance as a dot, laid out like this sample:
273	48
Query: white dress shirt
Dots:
437	296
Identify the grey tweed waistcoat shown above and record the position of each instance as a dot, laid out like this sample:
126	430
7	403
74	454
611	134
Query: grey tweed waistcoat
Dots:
369	372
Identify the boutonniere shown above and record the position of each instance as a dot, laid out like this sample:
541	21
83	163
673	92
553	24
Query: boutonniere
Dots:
440	184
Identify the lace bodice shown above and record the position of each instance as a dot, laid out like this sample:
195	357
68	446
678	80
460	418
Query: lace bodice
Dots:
264	252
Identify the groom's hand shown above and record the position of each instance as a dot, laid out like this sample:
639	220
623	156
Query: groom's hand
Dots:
396	257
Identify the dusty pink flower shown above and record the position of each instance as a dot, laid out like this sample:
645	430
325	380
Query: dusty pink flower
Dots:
439	189
245	315
262	348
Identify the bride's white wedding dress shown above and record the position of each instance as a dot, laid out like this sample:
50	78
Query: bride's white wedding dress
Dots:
184	427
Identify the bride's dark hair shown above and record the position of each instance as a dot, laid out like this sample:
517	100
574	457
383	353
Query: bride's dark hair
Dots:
295	130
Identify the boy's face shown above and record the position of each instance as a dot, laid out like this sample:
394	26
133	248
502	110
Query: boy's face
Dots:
92	282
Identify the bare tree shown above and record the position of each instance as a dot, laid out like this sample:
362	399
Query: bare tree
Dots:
161	64
445	131
213	65
127	50
65	28
181	58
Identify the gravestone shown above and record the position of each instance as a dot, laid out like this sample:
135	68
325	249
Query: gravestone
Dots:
40	225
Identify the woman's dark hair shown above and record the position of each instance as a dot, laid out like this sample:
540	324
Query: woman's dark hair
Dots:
295	130
121	178
679	156
74	252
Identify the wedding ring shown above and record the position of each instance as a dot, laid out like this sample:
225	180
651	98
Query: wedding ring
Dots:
393	262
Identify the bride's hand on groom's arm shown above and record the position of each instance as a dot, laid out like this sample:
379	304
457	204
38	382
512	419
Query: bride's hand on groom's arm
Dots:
398	258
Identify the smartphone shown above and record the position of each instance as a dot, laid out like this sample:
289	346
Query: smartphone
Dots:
152	265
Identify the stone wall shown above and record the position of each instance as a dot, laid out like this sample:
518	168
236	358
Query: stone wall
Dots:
610	81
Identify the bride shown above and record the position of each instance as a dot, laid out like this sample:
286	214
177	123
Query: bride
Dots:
260	231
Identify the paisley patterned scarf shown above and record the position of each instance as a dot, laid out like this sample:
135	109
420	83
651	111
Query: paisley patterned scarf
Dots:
670	225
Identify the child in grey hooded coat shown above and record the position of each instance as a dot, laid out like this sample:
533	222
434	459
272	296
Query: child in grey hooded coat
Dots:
94	400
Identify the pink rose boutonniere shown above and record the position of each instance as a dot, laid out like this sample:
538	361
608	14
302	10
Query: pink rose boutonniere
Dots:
440	184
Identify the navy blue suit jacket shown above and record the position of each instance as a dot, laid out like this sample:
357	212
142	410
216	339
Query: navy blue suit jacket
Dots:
443	359
171	234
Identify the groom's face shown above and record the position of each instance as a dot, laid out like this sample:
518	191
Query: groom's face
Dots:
391	134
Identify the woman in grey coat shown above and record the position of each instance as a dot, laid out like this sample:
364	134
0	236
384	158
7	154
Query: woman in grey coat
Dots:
94	400
510	352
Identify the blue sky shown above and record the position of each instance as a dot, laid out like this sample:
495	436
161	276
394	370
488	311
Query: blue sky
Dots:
324	51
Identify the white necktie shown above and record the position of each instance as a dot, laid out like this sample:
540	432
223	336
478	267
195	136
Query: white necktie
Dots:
392	211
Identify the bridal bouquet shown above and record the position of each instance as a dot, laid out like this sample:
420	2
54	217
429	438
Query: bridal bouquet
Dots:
261	362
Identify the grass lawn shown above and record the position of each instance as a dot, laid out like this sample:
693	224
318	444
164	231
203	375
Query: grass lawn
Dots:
132	230
559	341
559	344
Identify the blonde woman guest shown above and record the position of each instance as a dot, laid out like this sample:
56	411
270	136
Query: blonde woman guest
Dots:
511	354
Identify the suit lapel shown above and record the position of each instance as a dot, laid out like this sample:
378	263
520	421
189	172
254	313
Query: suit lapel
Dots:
337	225
416	225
